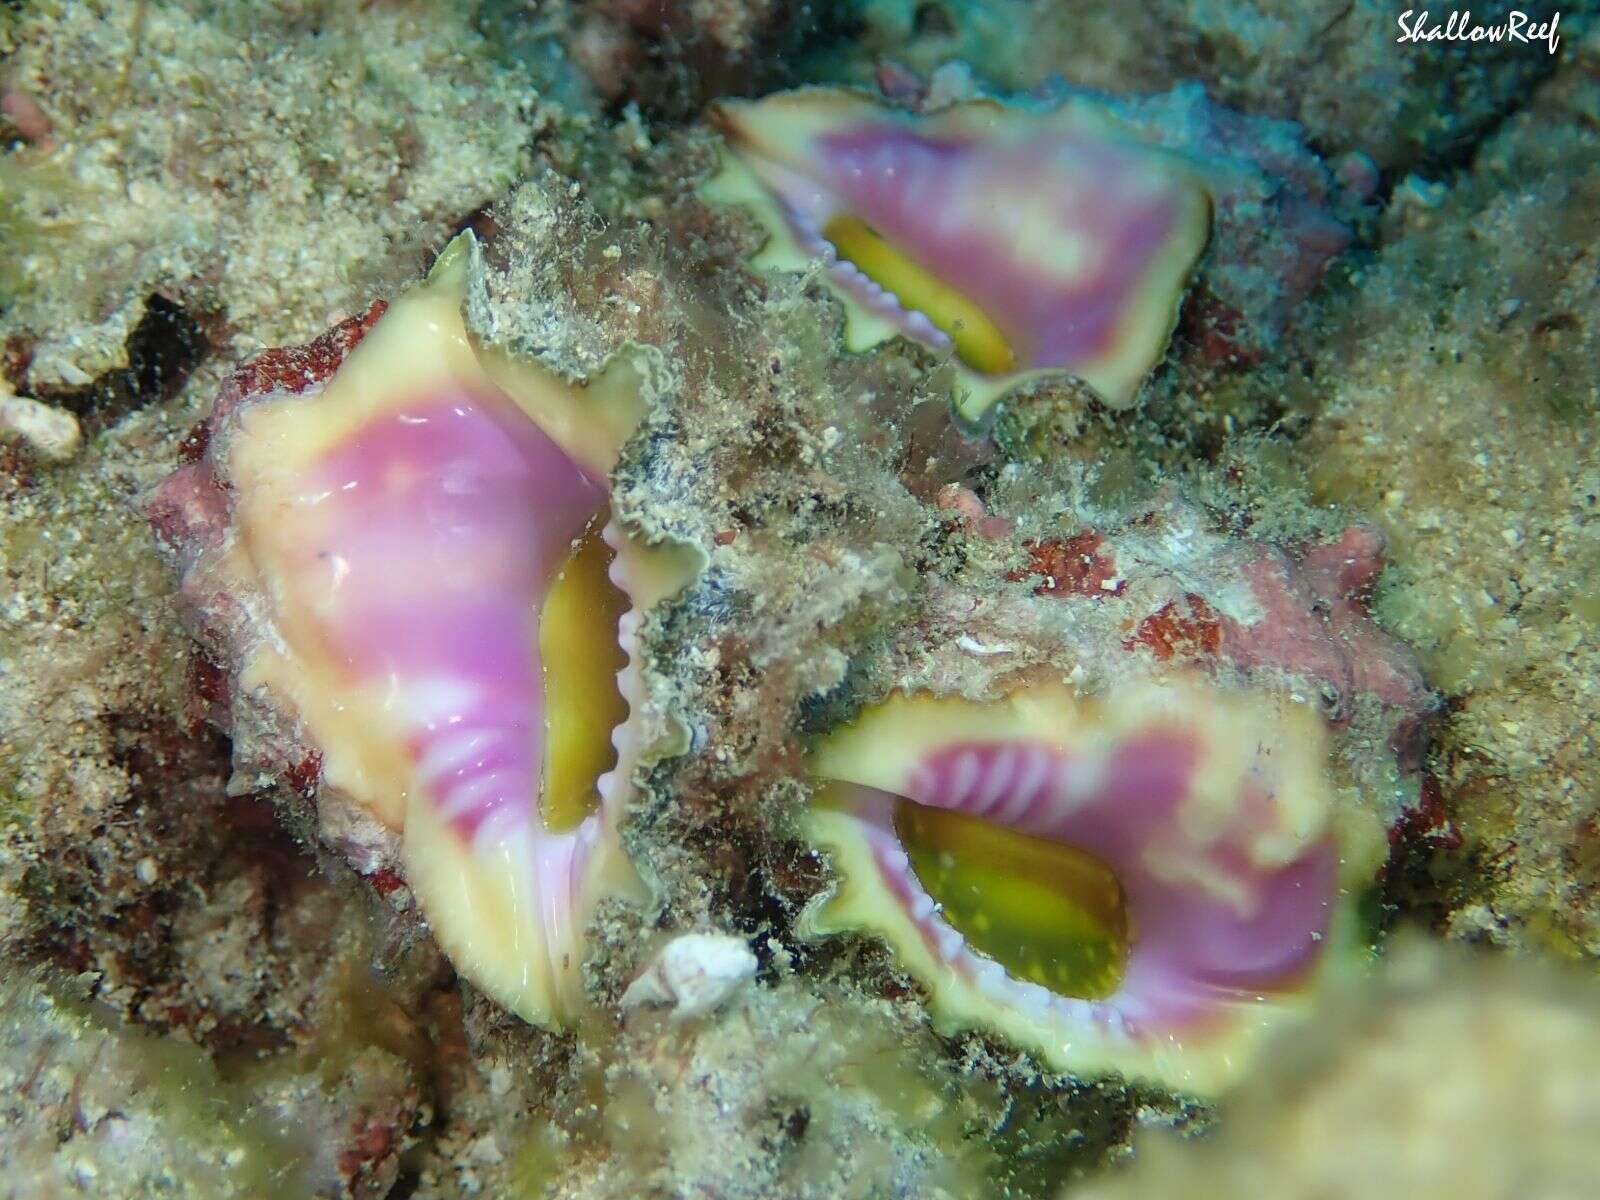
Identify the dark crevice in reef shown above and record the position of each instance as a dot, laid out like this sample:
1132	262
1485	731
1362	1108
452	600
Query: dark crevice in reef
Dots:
163	350
1458	152
113	896
1458	156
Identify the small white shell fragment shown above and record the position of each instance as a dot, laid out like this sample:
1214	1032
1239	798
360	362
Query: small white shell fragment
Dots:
973	646
694	973
51	433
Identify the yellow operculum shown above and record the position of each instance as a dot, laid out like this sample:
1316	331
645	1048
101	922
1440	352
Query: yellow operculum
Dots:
978	341
1048	913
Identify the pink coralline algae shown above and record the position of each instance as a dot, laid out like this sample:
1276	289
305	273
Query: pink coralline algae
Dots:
1253	606
1314	623
1071	566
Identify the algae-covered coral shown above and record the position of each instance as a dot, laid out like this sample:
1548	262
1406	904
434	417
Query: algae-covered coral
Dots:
179	136
1453	1076
504	692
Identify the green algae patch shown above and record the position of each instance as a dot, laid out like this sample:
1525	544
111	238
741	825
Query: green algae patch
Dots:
15	809
80	1090
1586	607
1583	601
539	1160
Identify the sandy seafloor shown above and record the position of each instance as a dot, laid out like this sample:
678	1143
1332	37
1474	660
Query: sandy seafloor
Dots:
199	999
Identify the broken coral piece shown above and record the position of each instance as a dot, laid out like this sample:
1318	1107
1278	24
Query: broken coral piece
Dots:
1142	884
1026	242
407	548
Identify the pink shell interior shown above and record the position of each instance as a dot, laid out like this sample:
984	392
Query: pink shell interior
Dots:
432	534
954	205
437	526
368	539
1211	925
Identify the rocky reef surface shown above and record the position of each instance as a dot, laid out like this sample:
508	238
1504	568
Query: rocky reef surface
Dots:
1386	508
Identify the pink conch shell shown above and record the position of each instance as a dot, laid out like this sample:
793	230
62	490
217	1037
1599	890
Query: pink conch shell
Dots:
1068	238
1212	811
387	540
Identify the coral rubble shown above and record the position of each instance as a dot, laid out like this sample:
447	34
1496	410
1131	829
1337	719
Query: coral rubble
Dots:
1460	410
183	133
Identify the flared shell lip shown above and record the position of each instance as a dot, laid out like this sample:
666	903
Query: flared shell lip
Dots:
1084	1047
797	115
493	920
875	893
590	422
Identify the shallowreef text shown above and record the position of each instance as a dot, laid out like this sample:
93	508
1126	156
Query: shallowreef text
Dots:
1459	27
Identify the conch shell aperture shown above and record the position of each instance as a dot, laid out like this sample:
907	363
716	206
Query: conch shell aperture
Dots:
1025	242
1141	885
414	557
